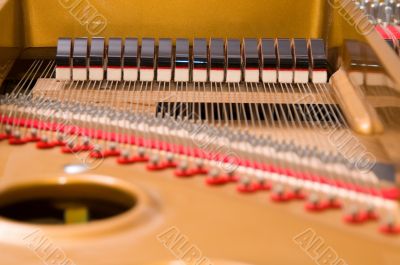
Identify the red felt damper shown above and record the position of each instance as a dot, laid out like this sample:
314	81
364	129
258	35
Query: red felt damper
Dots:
392	193
44	145
161	166
16	141
389	230
316	207
216	181
184	173
79	148
246	188
261	186
281	197
359	218
131	160
4	136
32	139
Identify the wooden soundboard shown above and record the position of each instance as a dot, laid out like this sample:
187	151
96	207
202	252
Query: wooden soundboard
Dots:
173	220
225	225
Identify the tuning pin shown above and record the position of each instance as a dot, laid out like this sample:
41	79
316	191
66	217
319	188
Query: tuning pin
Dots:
169	163
392	3
199	170
199	163
125	154
361	5
261	183
388	15
298	193
280	195
8	129
213	173
397	14
70	144
371	213
324	157
59	140
33	135
170	158
213	178
381	13
44	143
141	152
85	141
367	7
86	146
16	138
68	147
332	202
390	226
7	133
314	204
126	159
154	162
111	151
17	134
183	170
373	13
355	216
230	175
245	185
95	152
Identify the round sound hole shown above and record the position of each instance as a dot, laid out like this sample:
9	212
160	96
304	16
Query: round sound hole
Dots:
64	203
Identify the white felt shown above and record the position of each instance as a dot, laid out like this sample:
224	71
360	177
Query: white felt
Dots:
199	75
79	74
285	76
96	74
251	75
146	75
164	75
130	74
233	75
319	77
269	76
182	74
114	74
301	76
63	73
217	76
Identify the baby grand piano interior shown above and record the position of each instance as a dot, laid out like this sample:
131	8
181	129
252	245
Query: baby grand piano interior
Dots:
124	155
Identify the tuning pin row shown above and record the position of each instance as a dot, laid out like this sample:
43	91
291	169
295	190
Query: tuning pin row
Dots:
386	16
381	12
285	184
